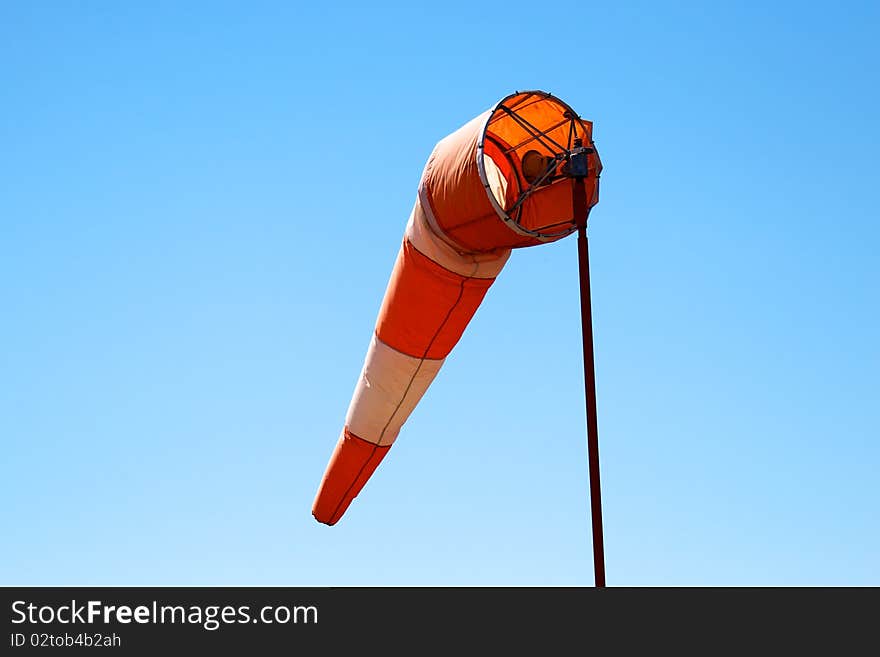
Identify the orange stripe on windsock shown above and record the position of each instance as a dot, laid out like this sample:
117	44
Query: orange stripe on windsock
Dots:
352	463
427	307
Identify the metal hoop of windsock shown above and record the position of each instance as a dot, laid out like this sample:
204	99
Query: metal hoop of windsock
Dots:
500	182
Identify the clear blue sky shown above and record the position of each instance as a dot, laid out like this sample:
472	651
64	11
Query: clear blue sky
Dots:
200	204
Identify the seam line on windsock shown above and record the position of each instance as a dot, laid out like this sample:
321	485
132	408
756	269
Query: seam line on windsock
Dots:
403	353
333	517
444	268
464	224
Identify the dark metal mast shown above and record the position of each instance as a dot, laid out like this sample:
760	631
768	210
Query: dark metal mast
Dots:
578	169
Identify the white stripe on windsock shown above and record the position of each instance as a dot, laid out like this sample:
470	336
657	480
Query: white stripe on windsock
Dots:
387	391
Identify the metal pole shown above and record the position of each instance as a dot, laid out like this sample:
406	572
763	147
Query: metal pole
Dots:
581	210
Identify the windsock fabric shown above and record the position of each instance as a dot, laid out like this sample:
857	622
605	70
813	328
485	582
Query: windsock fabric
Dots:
457	240
432	295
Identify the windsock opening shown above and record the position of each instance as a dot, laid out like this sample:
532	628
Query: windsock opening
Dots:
499	181
528	137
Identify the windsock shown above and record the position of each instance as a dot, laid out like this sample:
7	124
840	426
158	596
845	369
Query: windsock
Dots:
498	183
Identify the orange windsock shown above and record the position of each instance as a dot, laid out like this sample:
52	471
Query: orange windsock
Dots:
499	182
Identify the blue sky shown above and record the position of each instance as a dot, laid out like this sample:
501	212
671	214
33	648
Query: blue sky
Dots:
199	210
